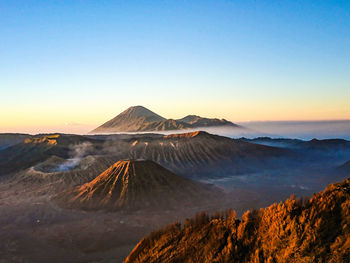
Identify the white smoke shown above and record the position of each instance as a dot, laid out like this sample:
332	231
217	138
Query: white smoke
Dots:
77	152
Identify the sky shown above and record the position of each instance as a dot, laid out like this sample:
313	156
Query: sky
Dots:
73	65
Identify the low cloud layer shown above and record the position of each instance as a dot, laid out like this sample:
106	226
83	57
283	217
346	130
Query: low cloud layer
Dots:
301	129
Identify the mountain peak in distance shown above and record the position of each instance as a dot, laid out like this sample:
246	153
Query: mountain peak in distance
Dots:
141	119
140	112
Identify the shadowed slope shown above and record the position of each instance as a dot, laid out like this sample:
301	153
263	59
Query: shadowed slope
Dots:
316	230
344	169
135	184
47	177
9	139
37	149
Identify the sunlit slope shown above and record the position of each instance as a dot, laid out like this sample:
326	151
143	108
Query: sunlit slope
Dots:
201	154
135	184
132	119
315	230
197	121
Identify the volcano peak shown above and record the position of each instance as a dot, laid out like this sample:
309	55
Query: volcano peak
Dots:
134	184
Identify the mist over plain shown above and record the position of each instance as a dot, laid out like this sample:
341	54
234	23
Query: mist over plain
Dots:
303	130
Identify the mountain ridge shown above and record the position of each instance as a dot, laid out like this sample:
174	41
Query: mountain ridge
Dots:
304	230
141	119
194	154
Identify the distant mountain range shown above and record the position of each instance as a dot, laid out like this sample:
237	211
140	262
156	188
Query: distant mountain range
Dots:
314	144
194	154
140	119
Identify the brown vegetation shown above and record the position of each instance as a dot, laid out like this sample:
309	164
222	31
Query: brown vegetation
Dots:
314	230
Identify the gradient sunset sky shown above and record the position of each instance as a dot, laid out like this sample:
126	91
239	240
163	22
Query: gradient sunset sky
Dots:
72	63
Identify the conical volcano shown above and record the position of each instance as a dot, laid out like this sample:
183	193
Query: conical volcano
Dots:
136	118
141	119
135	184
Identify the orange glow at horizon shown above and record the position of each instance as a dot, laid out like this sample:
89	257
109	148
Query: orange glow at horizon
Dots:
67	120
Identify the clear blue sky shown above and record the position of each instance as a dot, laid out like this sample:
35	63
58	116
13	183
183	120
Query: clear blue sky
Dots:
85	61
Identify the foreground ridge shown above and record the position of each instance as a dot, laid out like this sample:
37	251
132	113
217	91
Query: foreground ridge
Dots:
315	230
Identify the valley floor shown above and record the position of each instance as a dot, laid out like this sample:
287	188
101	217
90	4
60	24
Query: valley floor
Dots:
33	229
